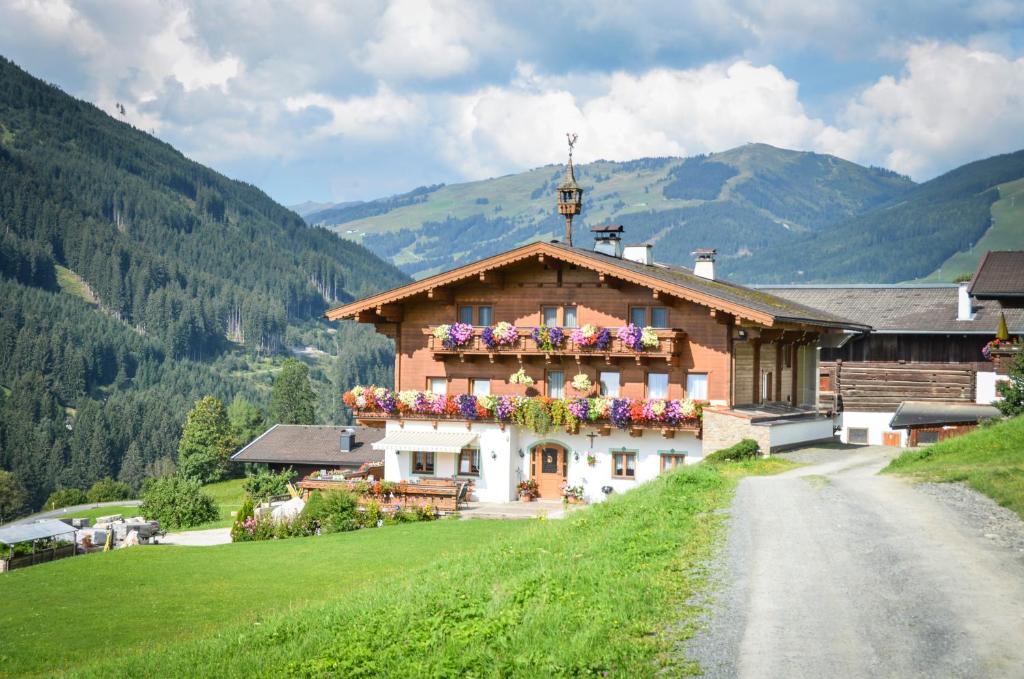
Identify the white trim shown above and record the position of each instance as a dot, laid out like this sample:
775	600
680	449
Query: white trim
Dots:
426	441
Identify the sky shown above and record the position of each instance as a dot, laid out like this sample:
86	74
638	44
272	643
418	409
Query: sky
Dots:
339	101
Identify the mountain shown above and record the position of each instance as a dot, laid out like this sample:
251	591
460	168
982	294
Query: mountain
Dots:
135	281
739	201
309	207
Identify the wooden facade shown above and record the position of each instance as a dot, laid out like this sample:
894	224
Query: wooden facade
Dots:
874	386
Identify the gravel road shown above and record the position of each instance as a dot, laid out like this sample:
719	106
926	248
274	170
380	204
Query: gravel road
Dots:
833	571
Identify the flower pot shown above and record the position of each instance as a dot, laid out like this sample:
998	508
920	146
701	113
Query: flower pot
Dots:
526	498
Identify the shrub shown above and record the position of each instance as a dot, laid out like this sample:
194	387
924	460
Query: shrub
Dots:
335	511
177	502
109	490
66	497
265	484
238	526
744	450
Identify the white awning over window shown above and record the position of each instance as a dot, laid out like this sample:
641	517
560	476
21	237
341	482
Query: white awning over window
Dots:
427	441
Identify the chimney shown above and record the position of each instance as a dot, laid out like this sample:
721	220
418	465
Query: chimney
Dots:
964	308
608	239
705	264
347	440
638	253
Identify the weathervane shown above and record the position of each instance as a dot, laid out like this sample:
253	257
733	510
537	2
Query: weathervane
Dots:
572	137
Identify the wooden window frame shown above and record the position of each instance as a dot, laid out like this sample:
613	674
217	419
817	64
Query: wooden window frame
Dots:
650	317
647	384
647	314
427	457
558	313
474	380
707	385
562	311
624	454
430	389
547	382
615	372
479	319
678	458
479	462
458	312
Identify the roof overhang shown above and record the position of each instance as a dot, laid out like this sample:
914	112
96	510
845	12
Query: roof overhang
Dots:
544	250
427	441
926	414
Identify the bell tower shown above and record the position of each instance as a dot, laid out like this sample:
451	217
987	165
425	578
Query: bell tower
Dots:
570	195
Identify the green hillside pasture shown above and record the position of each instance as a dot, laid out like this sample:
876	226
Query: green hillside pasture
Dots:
1006	233
62	615
601	593
72	283
990	460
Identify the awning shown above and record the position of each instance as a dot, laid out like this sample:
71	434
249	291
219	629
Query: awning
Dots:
26	532
426	441
924	414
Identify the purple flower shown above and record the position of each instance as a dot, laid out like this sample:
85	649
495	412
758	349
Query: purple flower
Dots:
556	336
487	337
579	407
630	336
467	405
504	408
387	402
619	413
673	412
604	339
548	338
459	335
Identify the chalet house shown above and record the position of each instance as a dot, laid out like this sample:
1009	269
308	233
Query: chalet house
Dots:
592	368
921	370
309	448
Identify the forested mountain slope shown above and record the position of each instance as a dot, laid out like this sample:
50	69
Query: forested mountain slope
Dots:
200	283
739	201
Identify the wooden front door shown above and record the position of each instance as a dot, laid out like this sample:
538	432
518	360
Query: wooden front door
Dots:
547	468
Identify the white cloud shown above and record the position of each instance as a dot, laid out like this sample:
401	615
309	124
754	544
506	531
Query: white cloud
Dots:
951	105
380	116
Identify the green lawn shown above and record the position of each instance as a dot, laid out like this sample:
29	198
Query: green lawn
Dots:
126	511
229	496
990	460
62	615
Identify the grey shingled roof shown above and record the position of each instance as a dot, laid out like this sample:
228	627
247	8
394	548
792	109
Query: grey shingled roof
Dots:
311	444
1000	274
783	309
903	308
926	413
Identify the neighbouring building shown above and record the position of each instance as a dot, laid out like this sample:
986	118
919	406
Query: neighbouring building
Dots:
608	352
309	448
925	347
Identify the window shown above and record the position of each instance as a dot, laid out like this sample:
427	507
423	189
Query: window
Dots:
927	436
766	386
481	387
549	316
624	465
569	316
485	315
609	384
659	317
437	385
657	385
857	435
638	316
469	462
672	460
556	384
423	463
697	386
466	315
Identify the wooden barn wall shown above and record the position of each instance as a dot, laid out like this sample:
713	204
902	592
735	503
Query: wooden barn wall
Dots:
910	348
517	296
880	387
743	391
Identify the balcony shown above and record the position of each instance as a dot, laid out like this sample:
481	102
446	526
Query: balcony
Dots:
670	346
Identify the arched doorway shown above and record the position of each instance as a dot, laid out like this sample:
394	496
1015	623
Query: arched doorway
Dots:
548	462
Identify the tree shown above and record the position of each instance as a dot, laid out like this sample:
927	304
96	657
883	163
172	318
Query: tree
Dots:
12	496
1012	390
109	490
133	470
178	503
292	400
247	421
206	442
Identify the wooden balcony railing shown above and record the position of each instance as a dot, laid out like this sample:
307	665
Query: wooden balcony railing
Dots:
670	346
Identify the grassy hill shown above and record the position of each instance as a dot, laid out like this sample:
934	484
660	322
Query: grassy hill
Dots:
990	460
135	281
761	194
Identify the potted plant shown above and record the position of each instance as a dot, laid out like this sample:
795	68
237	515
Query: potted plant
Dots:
591	459
572	495
527	490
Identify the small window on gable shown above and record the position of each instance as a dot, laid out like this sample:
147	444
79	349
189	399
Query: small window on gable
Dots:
549	316
659	317
569	317
466	315
638	316
485	315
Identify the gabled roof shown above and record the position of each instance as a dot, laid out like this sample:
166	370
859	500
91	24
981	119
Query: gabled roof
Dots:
1000	274
311	444
927	413
894	309
743	302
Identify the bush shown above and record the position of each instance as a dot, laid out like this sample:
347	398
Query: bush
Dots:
109	490
265	484
238	531
339	512
744	450
178	503
66	497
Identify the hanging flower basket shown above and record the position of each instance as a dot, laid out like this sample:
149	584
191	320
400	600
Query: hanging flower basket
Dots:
549	338
455	335
502	335
999	348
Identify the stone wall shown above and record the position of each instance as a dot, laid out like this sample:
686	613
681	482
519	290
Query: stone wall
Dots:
725	428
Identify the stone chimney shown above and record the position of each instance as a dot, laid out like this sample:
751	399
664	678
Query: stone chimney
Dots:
705	263
638	253
964	307
608	239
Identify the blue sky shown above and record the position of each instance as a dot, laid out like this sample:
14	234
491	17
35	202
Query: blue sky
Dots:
335	101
